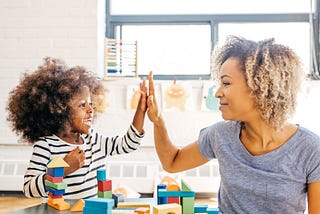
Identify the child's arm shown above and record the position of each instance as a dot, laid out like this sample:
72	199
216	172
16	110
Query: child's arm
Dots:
33	185
138	119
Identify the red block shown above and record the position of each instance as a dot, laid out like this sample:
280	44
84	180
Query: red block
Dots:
172	200
54	179
104	185
54	196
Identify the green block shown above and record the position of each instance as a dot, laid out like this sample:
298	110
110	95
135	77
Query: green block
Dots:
185	187
105	194
187	205
57	186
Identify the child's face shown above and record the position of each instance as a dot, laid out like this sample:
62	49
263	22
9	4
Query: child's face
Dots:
82	112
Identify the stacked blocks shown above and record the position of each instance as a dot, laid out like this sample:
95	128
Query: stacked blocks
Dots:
104	184
55	185
98	205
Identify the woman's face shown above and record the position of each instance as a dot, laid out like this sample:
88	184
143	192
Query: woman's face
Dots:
82	112
236	103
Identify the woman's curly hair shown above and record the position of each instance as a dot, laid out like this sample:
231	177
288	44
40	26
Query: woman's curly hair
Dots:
273	74
39	105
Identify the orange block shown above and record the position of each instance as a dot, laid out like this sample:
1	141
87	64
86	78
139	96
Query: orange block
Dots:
55	200
61	206
142	210
78	206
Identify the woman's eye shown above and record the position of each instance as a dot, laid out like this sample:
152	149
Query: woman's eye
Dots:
225	83
90	104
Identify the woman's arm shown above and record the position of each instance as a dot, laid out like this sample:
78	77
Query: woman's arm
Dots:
173	159
313	198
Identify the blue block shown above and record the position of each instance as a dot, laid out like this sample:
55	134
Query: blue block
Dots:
161	200
213	210
165	193
200	208
103	203
56	172
96	210
55	191
101	175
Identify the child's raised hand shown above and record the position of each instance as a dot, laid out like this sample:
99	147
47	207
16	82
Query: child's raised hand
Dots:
75	159
143	96
153	112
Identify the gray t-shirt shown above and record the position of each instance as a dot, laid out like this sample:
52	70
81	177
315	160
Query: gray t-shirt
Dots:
275	182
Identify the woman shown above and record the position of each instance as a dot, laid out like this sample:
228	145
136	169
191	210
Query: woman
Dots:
267	165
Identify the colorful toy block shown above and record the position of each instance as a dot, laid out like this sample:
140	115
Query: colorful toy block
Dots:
78	206
133	205
167	208
98	205
213	210
101	175
142	210
200	208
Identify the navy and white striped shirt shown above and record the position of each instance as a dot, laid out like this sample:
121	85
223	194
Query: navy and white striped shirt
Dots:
83	182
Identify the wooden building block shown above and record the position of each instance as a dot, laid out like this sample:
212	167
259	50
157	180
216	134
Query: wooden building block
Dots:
133	205
56	172
105	194
104	185
167	208
78	206
61	206
142	210
101	174
103	203
200	208
57	186
54	179
187	205
213	210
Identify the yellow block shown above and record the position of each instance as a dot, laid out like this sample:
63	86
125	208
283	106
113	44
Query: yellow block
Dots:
132	205
167	208
78	206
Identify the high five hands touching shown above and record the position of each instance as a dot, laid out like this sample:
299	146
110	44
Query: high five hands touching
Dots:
153	112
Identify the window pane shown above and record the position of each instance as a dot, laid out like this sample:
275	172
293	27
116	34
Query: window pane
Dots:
171	49
207	6
294	35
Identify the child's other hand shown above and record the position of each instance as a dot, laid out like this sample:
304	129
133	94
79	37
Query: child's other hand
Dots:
153	112
75	159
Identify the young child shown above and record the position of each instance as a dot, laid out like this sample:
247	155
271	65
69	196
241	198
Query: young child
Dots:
53	109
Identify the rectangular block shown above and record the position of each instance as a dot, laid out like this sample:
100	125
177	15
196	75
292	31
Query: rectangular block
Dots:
104	185
101	174
105	194
55	172
165	193
54	179
54	191
99	202
57	186
167	208
96	210
213	210
200	208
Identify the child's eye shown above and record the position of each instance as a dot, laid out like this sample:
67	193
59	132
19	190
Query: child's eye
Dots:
90	104
82	105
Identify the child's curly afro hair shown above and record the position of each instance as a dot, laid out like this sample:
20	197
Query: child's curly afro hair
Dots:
39	105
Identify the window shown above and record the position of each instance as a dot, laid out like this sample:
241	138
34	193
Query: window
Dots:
176	38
